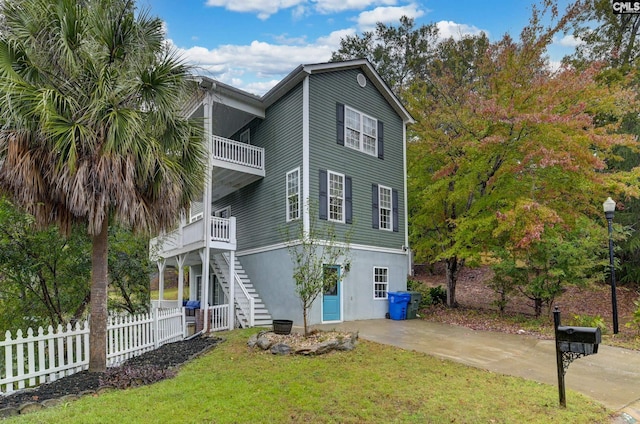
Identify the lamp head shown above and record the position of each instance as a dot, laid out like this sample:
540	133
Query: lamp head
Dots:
609	207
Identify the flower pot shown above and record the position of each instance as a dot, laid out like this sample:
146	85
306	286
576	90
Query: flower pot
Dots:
282	326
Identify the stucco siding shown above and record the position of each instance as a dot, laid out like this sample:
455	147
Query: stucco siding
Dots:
271	274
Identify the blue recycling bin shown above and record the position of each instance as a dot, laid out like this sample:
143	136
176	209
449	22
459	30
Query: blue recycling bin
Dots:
398	304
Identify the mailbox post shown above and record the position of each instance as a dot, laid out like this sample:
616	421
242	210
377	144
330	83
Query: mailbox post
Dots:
572	343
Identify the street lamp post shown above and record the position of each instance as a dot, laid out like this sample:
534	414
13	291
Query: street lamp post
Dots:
609	207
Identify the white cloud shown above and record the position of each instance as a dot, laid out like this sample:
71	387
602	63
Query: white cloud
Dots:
264	8
368	20
568	41
269	63
448	29
333	6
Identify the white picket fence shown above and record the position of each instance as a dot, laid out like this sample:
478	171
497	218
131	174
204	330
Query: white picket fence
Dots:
47	356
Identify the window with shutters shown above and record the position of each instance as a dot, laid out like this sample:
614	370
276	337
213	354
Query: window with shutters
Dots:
360	131
385	209
336	197
293	194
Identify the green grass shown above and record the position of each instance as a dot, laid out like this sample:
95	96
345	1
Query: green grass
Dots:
169	294
373	384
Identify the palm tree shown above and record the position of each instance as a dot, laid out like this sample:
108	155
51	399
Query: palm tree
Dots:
90	98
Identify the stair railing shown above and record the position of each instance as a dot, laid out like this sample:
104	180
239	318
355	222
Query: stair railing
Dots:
246	300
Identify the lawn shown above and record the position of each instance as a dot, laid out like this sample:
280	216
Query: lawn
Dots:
372	384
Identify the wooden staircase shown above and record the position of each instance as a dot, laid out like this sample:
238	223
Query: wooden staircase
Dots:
245	293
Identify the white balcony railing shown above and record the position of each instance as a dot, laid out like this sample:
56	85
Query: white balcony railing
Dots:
220	230
238	153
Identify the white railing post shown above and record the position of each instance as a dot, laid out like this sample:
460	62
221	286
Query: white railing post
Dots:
156	341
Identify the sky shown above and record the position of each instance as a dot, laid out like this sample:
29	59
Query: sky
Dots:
253	44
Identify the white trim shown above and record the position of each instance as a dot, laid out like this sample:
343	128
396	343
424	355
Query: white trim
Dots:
404	184
287	210
306	192
226	208
343	211
365	248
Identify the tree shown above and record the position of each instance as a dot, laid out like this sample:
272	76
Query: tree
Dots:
90	99
311	251
506	132
399	53
44	277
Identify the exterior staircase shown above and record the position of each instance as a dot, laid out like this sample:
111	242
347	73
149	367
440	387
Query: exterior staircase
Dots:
247	298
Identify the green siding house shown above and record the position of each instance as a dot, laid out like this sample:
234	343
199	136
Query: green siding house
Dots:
328	140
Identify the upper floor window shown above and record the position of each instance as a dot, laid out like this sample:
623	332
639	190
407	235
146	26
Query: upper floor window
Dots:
384	206
359	131
336	197
293	194
245	136
386	218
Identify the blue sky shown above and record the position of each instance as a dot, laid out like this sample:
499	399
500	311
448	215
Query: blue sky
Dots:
252	44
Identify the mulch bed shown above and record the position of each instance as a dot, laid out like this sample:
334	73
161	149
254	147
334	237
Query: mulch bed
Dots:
167	356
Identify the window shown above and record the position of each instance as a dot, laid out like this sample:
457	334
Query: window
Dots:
360	132
336	197
335	200
380	282
384	207
245	136
384	195
293	194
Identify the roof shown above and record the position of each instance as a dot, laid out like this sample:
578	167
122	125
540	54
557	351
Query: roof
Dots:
299	74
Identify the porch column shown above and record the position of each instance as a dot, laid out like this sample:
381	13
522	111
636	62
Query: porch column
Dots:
162	264
232	284
181	260
204	297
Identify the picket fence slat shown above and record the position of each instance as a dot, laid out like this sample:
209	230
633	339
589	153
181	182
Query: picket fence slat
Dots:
46	356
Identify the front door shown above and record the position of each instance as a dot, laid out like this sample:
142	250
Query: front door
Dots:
331	294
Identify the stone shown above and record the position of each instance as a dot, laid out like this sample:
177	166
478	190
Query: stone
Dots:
29	407
348	342
326	347
281	349
263	342
8	412
253	340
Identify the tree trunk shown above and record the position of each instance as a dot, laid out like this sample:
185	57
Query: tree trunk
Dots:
452	276
99	285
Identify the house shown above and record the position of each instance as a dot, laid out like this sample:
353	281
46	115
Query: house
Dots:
329	134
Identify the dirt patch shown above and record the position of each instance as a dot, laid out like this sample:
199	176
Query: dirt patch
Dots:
477	309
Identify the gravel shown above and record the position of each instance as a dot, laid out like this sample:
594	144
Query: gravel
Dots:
167	356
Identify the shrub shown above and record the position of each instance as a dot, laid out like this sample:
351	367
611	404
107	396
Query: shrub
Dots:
589	321
438	295
635	321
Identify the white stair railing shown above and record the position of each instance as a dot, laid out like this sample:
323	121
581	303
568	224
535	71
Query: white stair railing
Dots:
244	301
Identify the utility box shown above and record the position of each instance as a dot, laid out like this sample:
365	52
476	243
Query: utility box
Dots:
583	340
414	304
398	305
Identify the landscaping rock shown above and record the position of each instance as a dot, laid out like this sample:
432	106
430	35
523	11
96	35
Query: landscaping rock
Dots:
29	407
281	349
8	412
263	342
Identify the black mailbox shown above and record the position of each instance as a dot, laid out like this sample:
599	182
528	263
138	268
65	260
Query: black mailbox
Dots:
583	340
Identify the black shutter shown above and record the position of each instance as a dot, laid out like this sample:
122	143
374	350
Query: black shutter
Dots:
394	205
340	123
348	203
380	140
375	216
322	206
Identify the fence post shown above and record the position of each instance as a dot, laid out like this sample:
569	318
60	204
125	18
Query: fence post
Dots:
156	341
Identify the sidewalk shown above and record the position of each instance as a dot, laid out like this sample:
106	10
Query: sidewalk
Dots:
612	376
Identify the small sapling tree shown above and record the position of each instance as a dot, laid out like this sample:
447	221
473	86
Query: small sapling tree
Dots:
312	250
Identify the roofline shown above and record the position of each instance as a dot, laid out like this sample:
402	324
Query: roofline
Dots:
302	71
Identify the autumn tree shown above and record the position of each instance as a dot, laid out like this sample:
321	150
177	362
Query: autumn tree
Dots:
509	131
92	133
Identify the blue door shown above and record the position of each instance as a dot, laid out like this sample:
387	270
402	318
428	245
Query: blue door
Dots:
331	293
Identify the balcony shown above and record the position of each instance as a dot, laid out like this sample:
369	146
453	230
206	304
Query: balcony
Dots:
234	165
220	235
